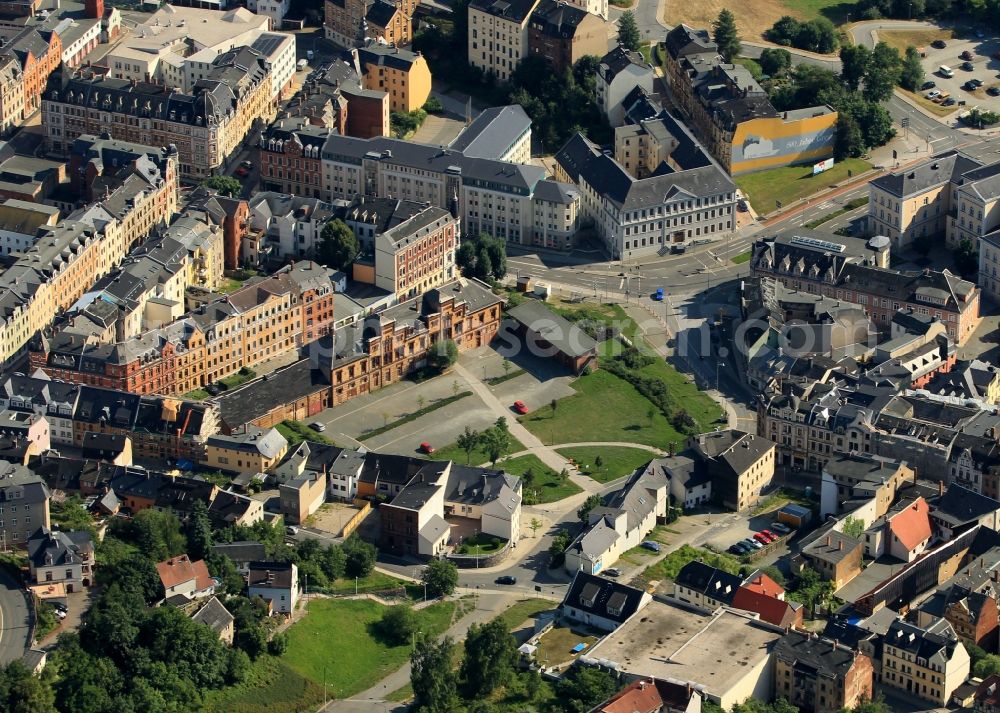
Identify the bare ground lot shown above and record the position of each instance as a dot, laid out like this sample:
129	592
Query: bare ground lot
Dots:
753	17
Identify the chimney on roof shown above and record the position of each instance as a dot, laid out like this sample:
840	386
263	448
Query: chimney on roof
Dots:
829	540
840	544
940	488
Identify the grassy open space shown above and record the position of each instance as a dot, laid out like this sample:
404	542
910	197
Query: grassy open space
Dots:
669	566
295	432
479	456
752	19
336	635
935	109
555	646
790	183
376	581
481	544
547	487
780	498
196	395
901	39
514	616
683	393
604	408
741	258
616	462
272	687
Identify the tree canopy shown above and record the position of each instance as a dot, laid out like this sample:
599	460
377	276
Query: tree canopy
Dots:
338	245
225	185
435	685
441	577
628	31
726	36
490	657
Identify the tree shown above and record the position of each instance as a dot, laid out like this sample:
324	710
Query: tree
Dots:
359	557
775	61
495	440
468	441
338	245
136	574
536	525
583	687
628	31
442	355
23	692
421	402
398	624
506	366
432	677
882	73
278	644
441	577
554	404
987	666
854	60
490	656
849	142
911	76
199	532
589	504
853	527
725	35
225	185
784	31
225	569
158	534
878	705
967	258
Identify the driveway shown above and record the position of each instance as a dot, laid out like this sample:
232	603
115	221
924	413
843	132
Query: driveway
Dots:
15	619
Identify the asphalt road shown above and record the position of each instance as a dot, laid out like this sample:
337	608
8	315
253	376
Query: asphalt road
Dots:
15	619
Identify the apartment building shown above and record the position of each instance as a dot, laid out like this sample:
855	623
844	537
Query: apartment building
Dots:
563	33
502	133
284	226
11	93
253	450
350	23
833	266
52	274
290	157
418	254
638	217
179	47
971	612
63	557
491	196
279	314
402	74
24	504
836	556
740	465
206	126
917	202
618	74
929	663
20	222
973	379
820	675
733	113
39	51
498	35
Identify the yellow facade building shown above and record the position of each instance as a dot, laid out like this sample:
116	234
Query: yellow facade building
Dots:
402	74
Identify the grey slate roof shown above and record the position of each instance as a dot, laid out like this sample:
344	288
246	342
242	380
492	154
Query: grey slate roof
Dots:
213	615
555	329
707	580
936	171
267	442
492	132
512	10
602	592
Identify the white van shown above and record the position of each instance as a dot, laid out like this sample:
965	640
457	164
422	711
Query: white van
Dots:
303	64
946	71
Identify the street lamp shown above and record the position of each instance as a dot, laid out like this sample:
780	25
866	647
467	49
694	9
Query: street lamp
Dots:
717	365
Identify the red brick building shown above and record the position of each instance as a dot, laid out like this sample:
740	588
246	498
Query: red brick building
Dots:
819	675
291	157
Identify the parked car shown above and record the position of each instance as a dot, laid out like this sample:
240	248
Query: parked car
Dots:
929	85
291	530
966	55
770	534
520	407
61	607
948	102
939	44
427	448
506	579
993	91
976	82
651	545
933	94
60	613
613	572
752	543
968	86
317	426
658	295
762	538
738	549
246	164
968	66
781	527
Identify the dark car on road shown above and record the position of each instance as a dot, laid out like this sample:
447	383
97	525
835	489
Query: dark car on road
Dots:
506	579
966	55
939	44
968	66
993	91
928	85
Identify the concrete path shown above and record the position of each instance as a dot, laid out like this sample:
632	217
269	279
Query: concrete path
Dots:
487	607
535	446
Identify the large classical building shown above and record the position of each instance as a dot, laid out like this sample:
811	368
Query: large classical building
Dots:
206	126
733	114
690	200
290	152
562	34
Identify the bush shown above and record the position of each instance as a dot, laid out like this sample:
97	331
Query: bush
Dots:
818	35
277	645
433	105
405	123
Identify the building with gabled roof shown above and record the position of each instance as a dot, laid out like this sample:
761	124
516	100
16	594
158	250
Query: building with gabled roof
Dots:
502	133
276	583
180	576
835	556
652	695
929	663
498	35
704	586
216	617
601	602
401	73
819	675
740	465
60	556
562	33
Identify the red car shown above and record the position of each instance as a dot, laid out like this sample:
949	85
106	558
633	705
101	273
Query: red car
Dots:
520	407
762	538
242	172
770	534
966	55
427	448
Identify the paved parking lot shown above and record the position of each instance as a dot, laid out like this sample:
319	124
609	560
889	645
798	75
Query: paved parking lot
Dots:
985	68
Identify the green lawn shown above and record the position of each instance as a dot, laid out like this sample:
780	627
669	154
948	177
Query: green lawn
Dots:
546	487
481	544
196	395
791	183
780	498
238	379
372	583
616	461
272	687
669	566
479	456
295	432
834	11
555	646
604	408
683	393
525	609
334	637
741	258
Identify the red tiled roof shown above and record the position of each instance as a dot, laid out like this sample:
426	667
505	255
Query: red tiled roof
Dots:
771	609
763	584
988	692
912	525
180	569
